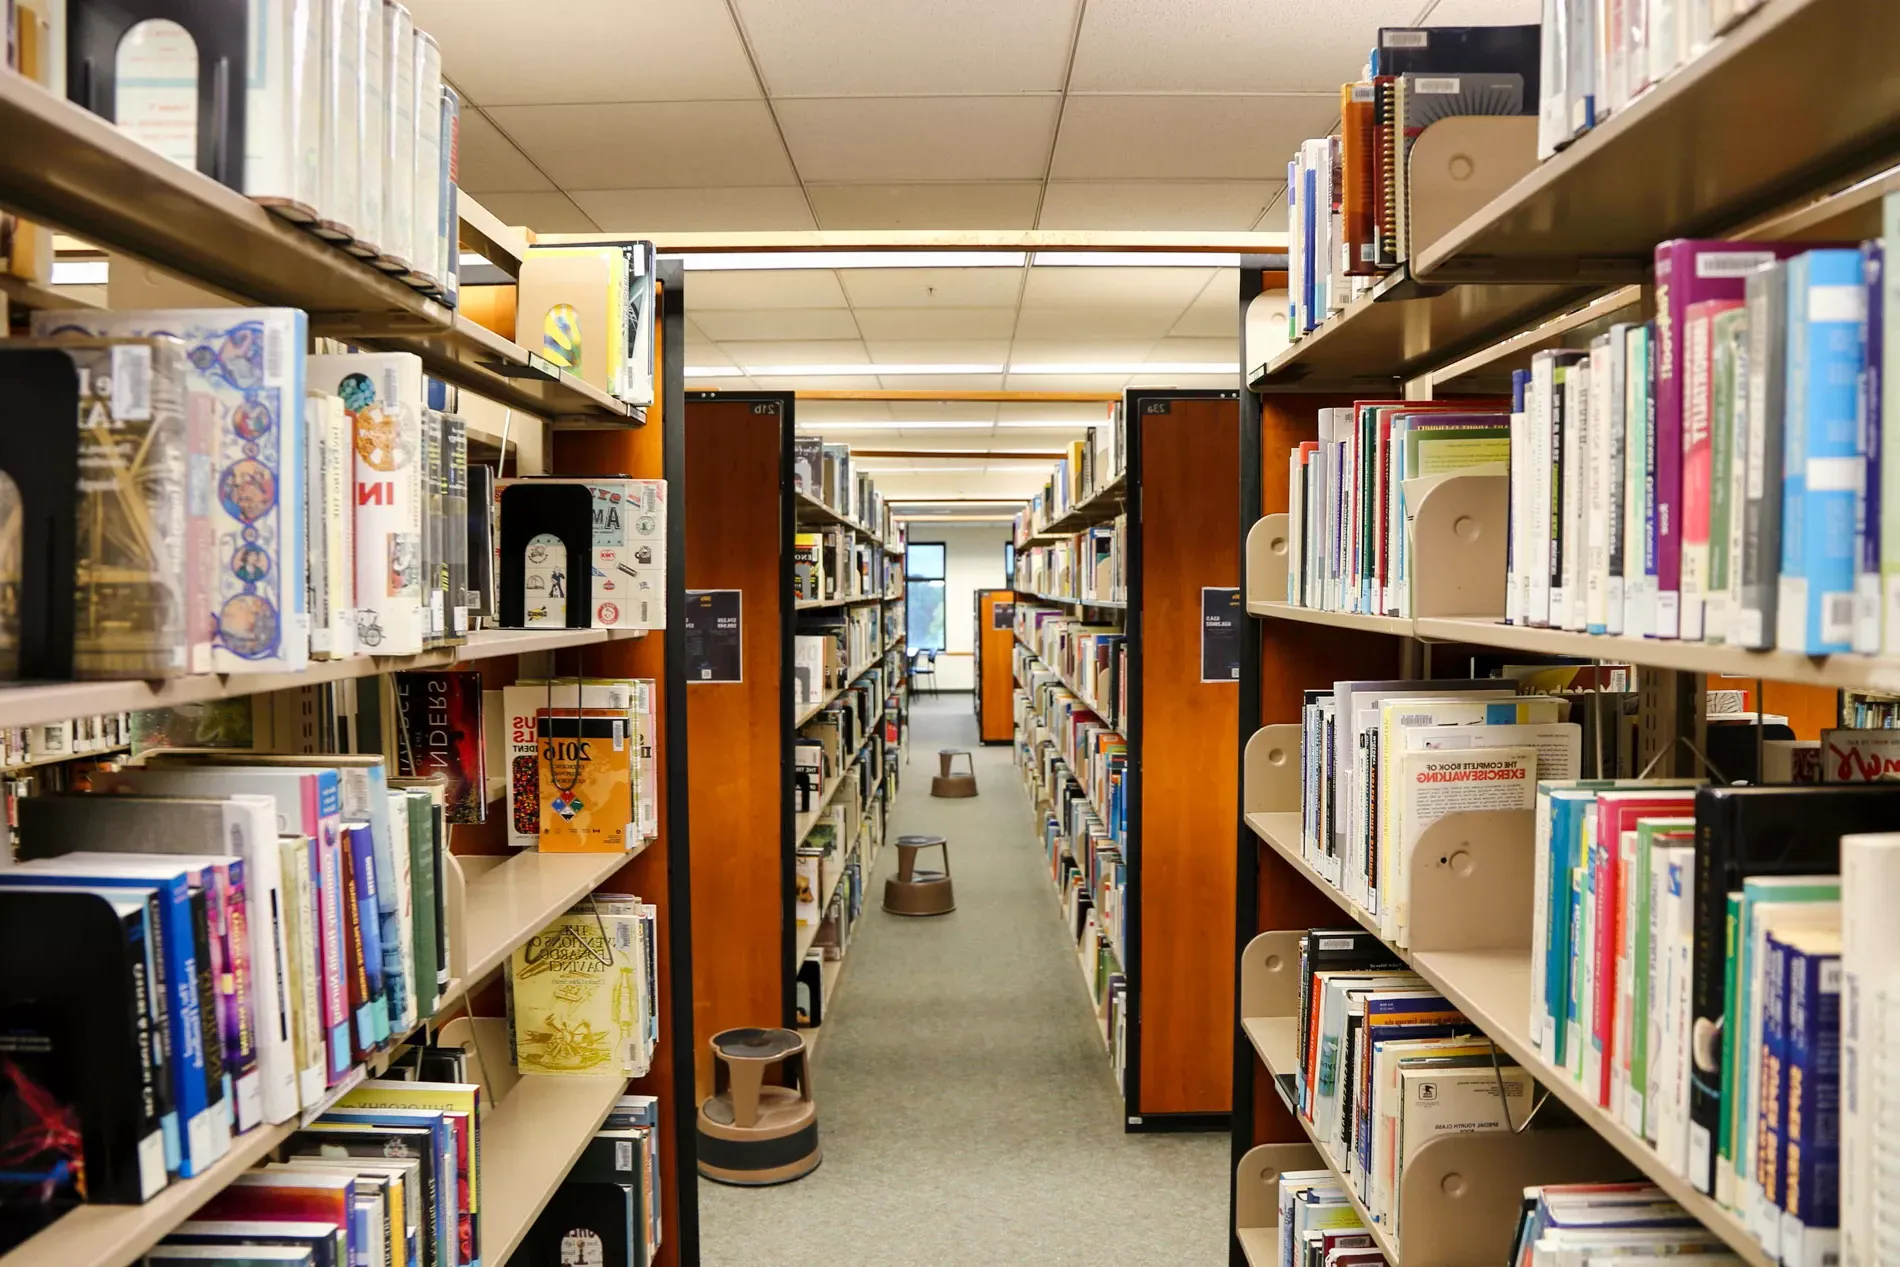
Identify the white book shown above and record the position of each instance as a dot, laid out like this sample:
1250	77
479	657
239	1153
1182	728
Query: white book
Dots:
1599	475
1567	608
1617	423
1638	600
283	107
383	392
372	124
250	364
332	571
426	83
1870	951
1553	77
399	134
340	182
1671	961
300	896
1538	596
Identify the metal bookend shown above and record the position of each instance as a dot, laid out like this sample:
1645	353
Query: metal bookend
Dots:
1458	545
1270	779
1267	559
1471	882
1457	165
1460	1195
1257	1186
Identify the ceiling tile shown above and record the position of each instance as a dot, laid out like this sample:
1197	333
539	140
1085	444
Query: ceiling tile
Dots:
1078	351
1099	321
945	411
1273	219
729	210
1189	350
779	323
852	384
1219	382
705	352
813	47
932	287
1216	314
936	323
823	411
938	351
770	288
1202	137
1066	382
544	213
1155	204
502	54
489	163
797	352
1055	412
898	139
1229	45
984	205
1086	287
651	145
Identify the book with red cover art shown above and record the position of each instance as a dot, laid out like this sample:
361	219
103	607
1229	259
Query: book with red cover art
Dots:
439	732
1698	420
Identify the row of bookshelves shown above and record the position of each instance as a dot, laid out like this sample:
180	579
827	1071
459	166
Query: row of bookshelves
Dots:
32	705
813	511
857	671
115	192
1101	506
1544	235
1070	600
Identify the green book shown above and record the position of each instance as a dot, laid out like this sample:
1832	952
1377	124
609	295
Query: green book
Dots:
1638	1115
422	868
1728	333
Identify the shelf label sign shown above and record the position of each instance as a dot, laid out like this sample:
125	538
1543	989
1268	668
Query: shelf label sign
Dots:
1003	615
715	640
1220	634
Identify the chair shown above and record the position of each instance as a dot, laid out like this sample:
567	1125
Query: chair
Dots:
923	664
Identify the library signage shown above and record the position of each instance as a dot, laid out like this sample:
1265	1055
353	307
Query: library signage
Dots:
714	636
1220	634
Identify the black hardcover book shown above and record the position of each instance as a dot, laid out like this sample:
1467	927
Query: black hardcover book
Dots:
321	1239
455	519
593	1223
1755	831
79	1112
1337	950
810	999
1463	50
481	541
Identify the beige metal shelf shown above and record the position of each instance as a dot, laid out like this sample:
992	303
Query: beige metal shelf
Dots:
511	899
809	819
113	191
57	701
1796	94
818	604
61	758
812	511
857	671
1338	620
1281	831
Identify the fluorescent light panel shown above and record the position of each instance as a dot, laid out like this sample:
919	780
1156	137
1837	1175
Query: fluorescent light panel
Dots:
1130	367
760	261
1135	259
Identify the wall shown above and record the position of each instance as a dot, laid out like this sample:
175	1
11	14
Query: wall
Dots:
973	560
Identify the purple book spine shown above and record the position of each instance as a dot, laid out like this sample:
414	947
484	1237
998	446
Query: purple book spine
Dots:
1688	271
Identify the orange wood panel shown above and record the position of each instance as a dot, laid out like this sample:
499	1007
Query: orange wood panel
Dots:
1809	709
492	307
640	452
996	714
1190	526
736	731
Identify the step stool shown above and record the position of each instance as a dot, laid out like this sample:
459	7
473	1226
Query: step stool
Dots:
752	1135
948	784
916	892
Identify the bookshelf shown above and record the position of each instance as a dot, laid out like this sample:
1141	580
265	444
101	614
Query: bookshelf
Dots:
994	693
1549	260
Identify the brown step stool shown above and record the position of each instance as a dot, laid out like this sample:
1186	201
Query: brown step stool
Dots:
948	784
752	1135
916	892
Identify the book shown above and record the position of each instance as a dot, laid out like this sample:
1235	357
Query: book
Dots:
432	1137
330	477
286	1196
1888	349
1755	620
1728	334
383	394
458	1103
1868	605
248	371
439	732
586	776
320	1240
1822	476
576	996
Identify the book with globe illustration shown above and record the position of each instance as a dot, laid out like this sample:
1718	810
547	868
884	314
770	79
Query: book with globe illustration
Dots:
586	780
577	993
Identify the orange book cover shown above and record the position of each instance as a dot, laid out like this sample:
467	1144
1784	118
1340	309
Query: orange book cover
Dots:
586	760
1356	178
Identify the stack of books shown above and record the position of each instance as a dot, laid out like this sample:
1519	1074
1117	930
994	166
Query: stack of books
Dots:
1611	1222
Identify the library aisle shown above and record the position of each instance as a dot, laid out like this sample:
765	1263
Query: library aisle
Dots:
963	1102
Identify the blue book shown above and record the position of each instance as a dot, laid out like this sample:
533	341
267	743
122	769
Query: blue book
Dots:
443	1136
1566	823
1296	294
372	1021
1823	471
1867	604
201	1130
1309	191
1771	1119
1810	1210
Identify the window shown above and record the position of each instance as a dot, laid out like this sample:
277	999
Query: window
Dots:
924	596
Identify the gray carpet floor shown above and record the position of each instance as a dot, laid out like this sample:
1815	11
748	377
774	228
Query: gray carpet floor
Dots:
966	1106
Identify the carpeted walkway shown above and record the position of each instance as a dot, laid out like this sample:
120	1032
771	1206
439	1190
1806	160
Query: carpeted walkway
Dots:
965	1101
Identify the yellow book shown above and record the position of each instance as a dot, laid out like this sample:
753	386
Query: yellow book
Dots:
586	772
576	996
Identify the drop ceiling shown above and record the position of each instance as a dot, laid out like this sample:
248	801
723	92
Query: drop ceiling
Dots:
655	117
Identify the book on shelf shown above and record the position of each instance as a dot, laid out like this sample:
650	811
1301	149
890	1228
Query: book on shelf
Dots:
580	991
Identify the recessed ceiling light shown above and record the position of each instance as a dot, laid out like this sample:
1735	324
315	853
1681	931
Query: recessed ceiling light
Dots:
1136	259
1129	367
730	261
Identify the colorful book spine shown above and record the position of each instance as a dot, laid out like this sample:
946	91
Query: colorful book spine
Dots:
237	1015
1810	1203
1753	624
1771	1122
362	846
1890	454
335	994
1638	487
1698	367
1727	336
1867	604
1824	467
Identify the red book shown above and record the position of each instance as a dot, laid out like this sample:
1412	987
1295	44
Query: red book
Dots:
439	716
286	1196
1698	415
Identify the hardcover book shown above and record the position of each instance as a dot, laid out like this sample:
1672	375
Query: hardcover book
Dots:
439	723
576	996
586	781
249	364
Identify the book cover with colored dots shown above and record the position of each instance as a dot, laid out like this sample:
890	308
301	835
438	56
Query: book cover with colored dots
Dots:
250	363
586	788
